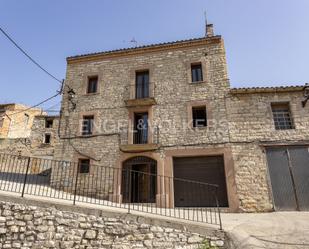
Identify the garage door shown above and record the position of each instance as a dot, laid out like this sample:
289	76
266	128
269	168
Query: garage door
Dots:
289	175
204	169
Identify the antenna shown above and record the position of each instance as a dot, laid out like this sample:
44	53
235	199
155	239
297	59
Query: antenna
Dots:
134	41
205	17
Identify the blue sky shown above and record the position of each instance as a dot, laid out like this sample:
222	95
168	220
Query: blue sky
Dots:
267	41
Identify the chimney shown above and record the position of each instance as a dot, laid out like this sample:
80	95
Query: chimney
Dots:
209	30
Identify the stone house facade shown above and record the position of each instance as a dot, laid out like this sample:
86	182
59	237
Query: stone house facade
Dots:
168	111
44	136
253	134
16	120
39	141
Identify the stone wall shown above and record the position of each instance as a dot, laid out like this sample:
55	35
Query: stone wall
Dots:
34	145
34	226
174	93
251	124
237	123
38	131
18	120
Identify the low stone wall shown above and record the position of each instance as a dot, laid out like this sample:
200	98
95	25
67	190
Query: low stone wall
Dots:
38	226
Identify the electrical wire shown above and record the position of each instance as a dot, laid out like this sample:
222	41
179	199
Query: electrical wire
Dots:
42	102
50	109
28	56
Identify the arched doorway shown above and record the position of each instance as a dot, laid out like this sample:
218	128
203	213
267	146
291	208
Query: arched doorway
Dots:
139	180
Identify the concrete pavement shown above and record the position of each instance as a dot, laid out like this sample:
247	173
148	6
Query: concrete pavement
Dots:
277	230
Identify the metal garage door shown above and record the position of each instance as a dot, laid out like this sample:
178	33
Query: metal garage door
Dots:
289	175
204	169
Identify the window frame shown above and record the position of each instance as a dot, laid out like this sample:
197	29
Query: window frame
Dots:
85	79
209	114
205	121
145	136
47	120
200	65
80	171
89	78
276	124
132	111
143	87
84	118
50	138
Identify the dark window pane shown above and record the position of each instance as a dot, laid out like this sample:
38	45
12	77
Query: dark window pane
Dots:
282	116
196	72
84	165
199	116
142	84
87	128
48	123
92	84
47	138
140	128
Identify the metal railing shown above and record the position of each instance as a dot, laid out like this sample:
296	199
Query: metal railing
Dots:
134	189
140	91
151	134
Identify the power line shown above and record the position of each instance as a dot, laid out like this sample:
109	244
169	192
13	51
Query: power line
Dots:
28	56
31	107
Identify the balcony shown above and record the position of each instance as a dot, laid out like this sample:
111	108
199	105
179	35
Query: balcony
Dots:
140	95
134	141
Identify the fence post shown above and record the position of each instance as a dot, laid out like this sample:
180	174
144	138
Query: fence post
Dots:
75	188
218	208
129	175
26	176
158	134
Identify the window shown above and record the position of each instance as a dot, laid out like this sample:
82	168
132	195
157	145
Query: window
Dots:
48	123
199	116
84	165
196	72
282	116
47	139
92	86
26	119
142	85
87	126
1	122
140	128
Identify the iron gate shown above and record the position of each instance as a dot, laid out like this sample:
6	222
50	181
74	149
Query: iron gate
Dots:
289	175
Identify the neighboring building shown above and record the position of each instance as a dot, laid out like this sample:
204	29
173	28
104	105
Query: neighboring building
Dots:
168	110
37	139
44	136
16	120
269	131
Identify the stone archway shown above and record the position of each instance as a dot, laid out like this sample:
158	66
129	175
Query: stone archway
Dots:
139	180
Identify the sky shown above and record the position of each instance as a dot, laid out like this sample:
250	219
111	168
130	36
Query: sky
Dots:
267	41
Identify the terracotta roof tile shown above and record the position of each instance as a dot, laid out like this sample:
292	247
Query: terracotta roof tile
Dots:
268	89
143	47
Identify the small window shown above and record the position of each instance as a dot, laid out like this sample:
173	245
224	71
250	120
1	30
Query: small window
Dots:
282	116
84	166
26	119
196	72
142	84
92	86
47	139
48	123
87	128
1	122
199	116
